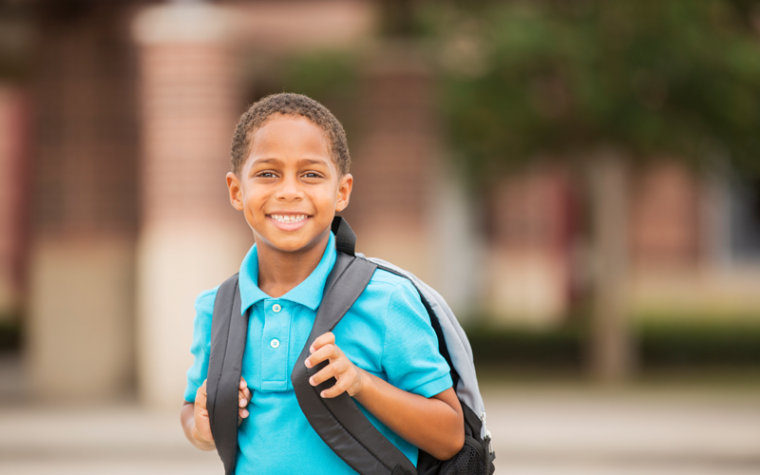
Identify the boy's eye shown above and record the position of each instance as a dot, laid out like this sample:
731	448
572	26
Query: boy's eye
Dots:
265	174
312	175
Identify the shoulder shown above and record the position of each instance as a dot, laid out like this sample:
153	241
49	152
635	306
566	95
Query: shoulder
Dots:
384	276
391	284
204	302
394	297
409	354
204	312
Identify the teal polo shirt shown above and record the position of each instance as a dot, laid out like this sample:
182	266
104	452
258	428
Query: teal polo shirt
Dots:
387	332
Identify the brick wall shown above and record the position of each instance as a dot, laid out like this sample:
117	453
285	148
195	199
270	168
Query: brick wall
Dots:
533	228
188	114
395	161
394	158
665	228
13	137
85	132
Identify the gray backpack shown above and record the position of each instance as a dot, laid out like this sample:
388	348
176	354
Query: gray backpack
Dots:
338	421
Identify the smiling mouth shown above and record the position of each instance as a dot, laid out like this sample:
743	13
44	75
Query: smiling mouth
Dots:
288	218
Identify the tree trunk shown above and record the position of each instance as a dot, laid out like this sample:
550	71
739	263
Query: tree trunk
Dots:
610	338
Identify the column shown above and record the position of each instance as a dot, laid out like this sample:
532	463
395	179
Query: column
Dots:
78	336
190	238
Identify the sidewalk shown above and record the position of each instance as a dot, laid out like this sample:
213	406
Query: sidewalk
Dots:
656	430
537	430
113	440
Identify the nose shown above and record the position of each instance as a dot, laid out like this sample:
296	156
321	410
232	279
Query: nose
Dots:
289	189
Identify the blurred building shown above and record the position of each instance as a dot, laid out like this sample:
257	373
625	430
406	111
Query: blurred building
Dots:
114	146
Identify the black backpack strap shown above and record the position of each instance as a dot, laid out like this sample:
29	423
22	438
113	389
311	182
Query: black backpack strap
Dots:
339	421
345	238
228	334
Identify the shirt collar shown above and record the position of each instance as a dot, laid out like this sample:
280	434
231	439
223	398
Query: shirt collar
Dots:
307	293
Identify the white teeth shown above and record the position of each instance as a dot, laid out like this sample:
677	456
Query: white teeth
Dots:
288	218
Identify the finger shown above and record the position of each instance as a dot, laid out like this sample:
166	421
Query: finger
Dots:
200	408
245	393
322	375
342	385
242	400
328	352
244	396
336	369
322	340
200	395
335	390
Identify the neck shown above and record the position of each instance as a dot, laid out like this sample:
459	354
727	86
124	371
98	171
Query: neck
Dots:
279	272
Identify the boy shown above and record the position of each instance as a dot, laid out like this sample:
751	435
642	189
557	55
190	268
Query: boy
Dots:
289	177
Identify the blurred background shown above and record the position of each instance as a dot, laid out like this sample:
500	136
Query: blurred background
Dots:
580	180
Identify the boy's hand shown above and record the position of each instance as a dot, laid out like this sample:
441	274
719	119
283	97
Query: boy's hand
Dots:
202	429
349	378
244	397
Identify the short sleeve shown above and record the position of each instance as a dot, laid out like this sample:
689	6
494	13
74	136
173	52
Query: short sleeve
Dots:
204	309
411	358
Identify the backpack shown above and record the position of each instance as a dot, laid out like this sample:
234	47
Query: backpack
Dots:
338	421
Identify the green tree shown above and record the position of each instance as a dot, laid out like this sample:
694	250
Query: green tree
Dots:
675	76
603	83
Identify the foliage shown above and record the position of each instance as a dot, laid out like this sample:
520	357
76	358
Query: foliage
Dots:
690	343
329	76
15	43
10	332
325	73
524	79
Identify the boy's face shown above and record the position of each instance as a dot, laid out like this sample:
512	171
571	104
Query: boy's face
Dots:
289	187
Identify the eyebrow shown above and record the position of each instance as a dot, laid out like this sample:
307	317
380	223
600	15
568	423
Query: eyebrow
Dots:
265	160
311	161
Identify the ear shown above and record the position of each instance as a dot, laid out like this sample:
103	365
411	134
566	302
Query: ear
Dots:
236	192
344	192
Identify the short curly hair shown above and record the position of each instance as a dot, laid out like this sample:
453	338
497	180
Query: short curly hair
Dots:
288	103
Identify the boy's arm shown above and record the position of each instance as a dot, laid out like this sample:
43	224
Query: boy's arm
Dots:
195	421
435	425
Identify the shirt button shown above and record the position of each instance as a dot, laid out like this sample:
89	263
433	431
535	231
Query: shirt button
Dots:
276	308
274	343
